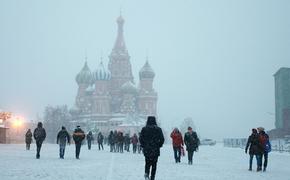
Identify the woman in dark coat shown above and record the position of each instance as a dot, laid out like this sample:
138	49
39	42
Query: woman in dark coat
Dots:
255	149
151	140
28	139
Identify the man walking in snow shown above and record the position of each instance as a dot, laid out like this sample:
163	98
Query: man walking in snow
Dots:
63	137
192	142
266	146
255	149
39	135
100	141
90	138
151	140
78	137
28	139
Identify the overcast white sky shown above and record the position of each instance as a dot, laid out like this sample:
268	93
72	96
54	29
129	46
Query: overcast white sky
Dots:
214	60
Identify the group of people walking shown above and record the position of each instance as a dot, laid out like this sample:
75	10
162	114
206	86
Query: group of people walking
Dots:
118	142
149	142
258	145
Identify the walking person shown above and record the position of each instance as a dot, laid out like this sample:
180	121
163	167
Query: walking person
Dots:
255	149
39	135
266	146
139	148
28	139
111	141
127	141
134	141
63	137
78	137
115	138
100	141
120	142
151	140
177	143
90	138
191	142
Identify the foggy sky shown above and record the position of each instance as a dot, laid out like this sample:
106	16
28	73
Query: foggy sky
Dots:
214	60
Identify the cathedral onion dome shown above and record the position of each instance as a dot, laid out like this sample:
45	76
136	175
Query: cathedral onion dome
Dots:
102	73
129	88
84	76
146	71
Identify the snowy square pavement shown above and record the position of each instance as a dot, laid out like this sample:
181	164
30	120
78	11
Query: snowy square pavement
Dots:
210	163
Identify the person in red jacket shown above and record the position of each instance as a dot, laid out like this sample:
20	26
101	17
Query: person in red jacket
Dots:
177	143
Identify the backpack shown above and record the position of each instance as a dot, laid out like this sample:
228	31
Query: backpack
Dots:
268	147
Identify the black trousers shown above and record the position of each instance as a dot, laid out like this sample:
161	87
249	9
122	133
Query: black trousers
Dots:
151	163
78	149
89	144
190	155
38	148
134	148
177	153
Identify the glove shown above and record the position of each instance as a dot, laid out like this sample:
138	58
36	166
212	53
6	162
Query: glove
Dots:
246	151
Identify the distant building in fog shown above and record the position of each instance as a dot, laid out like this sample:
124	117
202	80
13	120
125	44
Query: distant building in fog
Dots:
282	102
282	98
108	98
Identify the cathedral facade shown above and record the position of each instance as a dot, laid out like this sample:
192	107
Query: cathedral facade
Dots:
108	99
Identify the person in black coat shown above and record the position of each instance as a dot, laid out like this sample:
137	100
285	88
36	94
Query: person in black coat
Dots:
100	141
127	141
191	142
39	135
78	137
111	141
151	140
28	139
255	149
63	137
90	138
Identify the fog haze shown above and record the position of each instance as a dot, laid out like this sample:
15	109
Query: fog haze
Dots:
214	60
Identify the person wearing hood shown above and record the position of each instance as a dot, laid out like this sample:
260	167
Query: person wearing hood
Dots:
177	143
78	137
63	137
90	138
151	140
39	135
28	139
255	149
266	146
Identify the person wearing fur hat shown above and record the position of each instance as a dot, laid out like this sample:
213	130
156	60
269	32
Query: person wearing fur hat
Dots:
264	141
255	149
151	140
191	142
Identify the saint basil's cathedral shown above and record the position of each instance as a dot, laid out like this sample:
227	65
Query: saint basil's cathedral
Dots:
108	99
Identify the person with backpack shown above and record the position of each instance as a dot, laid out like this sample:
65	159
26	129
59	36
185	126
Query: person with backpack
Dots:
78	137
255	149
151	140
134	141
90	138
177	143
62	138
28	139
191	142
100	141
265	142
39	135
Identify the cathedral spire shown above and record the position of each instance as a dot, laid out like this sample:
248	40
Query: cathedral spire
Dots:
120	43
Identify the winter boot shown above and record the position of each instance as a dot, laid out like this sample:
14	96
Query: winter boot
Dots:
264	169
259	168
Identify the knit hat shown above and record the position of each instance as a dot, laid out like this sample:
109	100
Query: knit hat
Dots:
189	128
261	129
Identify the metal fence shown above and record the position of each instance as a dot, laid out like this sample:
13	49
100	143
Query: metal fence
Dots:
280	145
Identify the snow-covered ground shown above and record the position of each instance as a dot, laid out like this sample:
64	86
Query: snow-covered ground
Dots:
210	163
